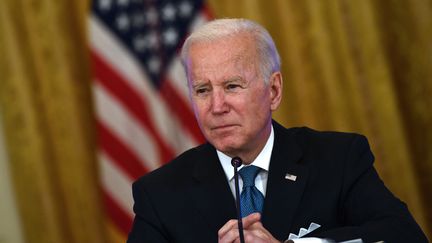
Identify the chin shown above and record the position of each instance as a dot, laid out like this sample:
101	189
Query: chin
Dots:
226	143
227	148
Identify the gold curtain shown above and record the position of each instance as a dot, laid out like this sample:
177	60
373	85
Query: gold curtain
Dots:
45	98
361	65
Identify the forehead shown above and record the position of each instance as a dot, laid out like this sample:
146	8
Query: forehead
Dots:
228	54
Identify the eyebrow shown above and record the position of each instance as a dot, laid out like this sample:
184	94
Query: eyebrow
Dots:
199	83
233	79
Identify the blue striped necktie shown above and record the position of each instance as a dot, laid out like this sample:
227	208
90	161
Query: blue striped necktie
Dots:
251	199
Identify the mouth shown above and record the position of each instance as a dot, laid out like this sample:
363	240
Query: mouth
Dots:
223	127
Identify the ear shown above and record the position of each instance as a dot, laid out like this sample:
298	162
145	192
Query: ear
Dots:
275	84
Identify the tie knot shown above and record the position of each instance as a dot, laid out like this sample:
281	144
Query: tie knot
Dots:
248	174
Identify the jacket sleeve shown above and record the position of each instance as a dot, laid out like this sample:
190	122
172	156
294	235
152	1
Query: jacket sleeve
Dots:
371	212
146	225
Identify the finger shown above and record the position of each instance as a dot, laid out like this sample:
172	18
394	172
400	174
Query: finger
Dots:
229	236
259	234
249	237
231	224
259	230
255	236
256	225
251	219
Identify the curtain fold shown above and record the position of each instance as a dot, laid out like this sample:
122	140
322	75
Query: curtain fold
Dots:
359	66
48	123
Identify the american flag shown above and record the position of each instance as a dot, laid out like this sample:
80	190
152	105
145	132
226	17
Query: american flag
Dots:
143	114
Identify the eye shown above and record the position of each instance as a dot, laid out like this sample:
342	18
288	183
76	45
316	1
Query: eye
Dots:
232	87
201	91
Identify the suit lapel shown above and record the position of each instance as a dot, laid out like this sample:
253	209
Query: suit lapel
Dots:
211	193
283	194
213	198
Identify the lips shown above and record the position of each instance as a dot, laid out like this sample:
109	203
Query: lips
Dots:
223	127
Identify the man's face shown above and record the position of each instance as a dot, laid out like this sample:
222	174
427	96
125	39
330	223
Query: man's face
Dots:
231	101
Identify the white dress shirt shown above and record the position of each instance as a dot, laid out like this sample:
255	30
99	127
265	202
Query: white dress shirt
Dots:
262	161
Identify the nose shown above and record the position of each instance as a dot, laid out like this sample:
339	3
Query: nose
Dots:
218	103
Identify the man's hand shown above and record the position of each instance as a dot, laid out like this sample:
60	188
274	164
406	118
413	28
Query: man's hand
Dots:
254	231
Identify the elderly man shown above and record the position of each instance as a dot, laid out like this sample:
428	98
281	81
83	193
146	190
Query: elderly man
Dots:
292	178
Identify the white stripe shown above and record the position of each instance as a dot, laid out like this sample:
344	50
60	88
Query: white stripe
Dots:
116	183
178	81
122	124
176	73
105	44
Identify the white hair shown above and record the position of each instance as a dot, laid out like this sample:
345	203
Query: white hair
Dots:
269	59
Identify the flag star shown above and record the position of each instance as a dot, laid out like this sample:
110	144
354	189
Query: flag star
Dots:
185	9
154	64
122	22
152	16
151	40
168	12
170	37
104	5
138	20
139	43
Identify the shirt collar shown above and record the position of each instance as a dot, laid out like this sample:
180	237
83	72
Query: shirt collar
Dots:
262	160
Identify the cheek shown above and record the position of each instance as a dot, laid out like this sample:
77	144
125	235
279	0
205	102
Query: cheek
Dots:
200	110
257	109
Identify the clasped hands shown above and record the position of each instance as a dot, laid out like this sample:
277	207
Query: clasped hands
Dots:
254	231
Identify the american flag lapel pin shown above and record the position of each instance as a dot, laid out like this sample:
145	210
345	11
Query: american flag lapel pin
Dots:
290	177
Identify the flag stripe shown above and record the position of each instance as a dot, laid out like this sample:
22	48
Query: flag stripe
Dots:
177	79
168	126
114	181
143	113
181	110
119	88
122	155
121	219
125	127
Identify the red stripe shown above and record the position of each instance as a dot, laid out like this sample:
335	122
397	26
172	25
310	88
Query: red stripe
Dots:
181	109
122	156
117	215
177	103
135	104
207	12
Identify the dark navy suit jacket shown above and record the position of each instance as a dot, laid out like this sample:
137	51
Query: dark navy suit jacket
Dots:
189	199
